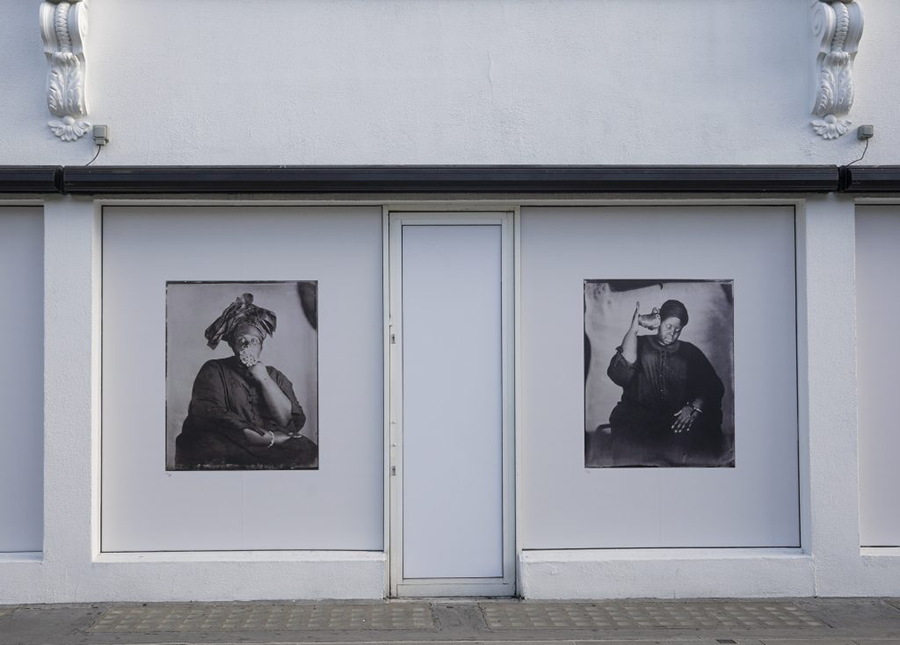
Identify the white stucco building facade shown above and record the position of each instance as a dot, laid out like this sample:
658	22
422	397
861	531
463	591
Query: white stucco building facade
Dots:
367	146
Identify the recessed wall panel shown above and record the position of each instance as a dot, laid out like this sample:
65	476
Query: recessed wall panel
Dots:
21	378
283	453
609	458
878	307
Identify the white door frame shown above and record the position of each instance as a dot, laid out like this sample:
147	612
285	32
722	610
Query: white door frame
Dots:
398	586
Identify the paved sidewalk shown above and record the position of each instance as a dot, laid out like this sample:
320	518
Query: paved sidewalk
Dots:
698	622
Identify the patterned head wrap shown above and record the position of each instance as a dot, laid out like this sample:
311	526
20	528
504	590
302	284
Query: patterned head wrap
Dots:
240	314
674	309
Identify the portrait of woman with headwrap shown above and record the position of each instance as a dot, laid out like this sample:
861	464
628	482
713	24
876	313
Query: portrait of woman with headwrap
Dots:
243	414
670	409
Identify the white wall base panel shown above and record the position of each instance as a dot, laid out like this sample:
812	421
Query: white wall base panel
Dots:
665	573
881	572
223	576
23	576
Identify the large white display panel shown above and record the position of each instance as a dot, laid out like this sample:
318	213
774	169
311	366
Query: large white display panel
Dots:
878	310
565	505
340	505
452	402
21	378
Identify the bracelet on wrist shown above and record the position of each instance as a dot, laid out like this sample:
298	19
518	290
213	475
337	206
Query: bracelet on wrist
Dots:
272	442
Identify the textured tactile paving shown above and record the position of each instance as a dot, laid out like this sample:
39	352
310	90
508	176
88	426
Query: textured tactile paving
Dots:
646	615
263	618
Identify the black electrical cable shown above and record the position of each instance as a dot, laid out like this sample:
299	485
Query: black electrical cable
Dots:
99	148
865	150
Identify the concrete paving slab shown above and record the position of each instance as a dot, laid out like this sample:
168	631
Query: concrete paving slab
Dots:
775	641
648	615
460	622
596	642
263	618
47	624
437	642
874	613
459	618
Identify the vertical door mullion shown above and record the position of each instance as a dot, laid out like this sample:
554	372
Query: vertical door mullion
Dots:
395	473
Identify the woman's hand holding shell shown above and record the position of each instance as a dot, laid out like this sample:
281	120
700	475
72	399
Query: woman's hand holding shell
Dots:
257	437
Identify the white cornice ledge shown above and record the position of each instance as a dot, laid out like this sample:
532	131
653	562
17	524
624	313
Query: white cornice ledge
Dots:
64	28
837	27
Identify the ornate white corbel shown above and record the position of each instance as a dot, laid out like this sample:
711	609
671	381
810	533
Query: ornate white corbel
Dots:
64	27
837	28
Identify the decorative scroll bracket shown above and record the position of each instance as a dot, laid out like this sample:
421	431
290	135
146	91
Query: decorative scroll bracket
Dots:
64	28
837	27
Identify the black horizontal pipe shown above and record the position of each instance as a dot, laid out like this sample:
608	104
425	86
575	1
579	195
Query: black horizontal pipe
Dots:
112	180
450	179
30	179
870	179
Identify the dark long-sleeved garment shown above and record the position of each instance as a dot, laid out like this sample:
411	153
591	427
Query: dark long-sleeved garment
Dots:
226	400
661	382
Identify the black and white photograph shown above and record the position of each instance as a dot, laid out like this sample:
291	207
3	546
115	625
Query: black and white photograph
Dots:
242	375
659	373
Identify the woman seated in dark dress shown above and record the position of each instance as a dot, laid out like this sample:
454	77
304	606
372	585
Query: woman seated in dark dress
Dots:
670	413
243	415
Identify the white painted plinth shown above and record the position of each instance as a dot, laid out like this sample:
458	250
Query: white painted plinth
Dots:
226	576
212	576
665	573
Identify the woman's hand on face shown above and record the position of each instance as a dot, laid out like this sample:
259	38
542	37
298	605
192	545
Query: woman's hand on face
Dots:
259	372
258	437
684	419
